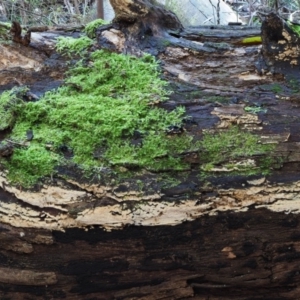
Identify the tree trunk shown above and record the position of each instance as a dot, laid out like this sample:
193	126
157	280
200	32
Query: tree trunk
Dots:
144	25
100	9
280	52
211	231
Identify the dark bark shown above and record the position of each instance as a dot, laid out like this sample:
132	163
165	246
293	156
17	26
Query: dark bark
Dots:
249	255
145	14
16	31
280	54
143	24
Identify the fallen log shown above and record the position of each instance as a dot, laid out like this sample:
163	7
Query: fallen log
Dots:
225	225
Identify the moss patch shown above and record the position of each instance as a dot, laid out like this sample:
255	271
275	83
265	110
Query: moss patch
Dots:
4	32
295	27
232	148
71	46
105	115
10	104
95	117
90	28
27	166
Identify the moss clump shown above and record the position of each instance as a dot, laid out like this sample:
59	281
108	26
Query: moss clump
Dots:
277	88
104	103
220	99
90	28
295	27
10	104
255	109
28	165
157	152
231	146
71	46
4	32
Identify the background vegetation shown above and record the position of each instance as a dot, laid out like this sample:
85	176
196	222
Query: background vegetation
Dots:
48	12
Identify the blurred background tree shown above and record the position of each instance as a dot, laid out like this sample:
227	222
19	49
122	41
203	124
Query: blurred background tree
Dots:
190	12
51	12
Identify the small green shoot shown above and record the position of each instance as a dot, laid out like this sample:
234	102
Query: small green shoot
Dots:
255	109
294	27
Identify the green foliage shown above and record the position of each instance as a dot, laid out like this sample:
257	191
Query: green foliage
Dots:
90	28
71	46
277	88
255	109
294	27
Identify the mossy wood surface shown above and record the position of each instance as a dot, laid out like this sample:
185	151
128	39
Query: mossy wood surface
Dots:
116	185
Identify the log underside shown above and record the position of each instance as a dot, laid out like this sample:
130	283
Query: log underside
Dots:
249	255
236	237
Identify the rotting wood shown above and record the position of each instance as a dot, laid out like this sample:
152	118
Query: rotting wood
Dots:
22	277
16	31
236	237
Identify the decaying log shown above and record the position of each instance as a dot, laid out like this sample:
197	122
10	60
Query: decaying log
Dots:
145	25
220	236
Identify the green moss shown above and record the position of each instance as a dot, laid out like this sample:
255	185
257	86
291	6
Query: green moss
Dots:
165	43
220	99
255	109
169	181
107	99
295	27
90	28
225	149
27	165
293	84
276	88
10	103
96	115
4	32
71	46
157	152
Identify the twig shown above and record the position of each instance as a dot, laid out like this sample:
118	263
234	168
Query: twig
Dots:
16	143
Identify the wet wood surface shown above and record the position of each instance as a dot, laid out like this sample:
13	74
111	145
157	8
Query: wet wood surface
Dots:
246	255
